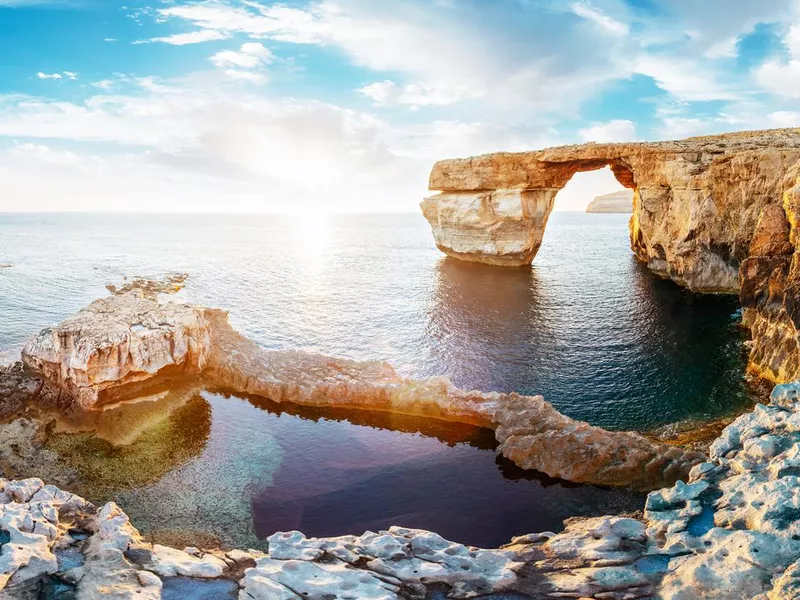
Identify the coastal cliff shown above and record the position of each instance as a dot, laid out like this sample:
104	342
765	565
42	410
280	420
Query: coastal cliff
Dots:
125	345
696	201
716	214
615	202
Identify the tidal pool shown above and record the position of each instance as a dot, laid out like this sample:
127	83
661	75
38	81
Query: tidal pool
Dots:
205	468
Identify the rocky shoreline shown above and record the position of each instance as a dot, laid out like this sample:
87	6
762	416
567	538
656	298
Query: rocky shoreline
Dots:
728	528
732	531
132	343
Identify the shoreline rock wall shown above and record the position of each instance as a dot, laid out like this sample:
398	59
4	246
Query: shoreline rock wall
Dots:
118	346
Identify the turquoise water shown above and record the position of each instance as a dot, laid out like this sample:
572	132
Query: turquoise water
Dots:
587	326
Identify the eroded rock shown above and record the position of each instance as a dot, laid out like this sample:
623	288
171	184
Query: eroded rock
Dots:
696	201
129	341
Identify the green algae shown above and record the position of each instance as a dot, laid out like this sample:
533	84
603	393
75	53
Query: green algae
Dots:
104	468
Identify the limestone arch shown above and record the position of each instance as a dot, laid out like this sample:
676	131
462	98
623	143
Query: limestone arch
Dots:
505	225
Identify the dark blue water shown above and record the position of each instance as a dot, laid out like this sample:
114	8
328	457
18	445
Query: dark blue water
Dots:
587	326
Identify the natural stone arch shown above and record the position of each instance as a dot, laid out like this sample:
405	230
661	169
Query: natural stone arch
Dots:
715	214
696	201
504	225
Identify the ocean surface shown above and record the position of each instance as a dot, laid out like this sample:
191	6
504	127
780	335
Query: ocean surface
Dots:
588	327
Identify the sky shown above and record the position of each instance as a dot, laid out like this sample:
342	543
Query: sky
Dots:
344	105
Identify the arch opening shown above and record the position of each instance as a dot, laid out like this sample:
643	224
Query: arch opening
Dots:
585	187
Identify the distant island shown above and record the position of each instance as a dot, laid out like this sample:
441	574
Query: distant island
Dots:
615	202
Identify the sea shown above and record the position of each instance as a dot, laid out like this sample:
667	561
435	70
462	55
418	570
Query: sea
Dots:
586	326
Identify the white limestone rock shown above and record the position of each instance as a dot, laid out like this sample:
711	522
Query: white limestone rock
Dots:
169	562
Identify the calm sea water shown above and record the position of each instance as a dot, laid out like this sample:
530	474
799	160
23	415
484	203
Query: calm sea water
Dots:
586	326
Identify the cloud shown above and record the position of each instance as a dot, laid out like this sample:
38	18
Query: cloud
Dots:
63	75
246	64
46	154
619	130
440	55
270	150
589	12
782	77
183	39
686	79
785	118
250	56
388	93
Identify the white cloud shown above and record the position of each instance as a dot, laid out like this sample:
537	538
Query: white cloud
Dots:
250	56
723	49
250	76
193	37
785	118
596	16
63	75
780	77
686	79
234	142
441	57
618	130
388	93
46	154
246	64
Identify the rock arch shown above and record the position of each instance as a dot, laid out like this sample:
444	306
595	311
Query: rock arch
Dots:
716	214
696	201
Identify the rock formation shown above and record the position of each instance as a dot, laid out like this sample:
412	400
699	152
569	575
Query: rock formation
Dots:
696	201
615	202
732	532
124	345
715	214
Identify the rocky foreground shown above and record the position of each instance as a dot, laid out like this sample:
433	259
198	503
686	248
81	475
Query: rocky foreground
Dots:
120	346
731	532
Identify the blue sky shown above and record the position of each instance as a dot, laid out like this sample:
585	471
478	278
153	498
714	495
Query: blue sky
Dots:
344	105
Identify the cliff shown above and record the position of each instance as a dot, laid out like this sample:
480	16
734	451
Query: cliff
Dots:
696	201
120	346
615	202
716	214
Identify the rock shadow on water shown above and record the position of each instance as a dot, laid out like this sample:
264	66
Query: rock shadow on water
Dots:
479	312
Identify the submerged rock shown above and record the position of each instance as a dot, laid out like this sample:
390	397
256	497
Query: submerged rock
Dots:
123	345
